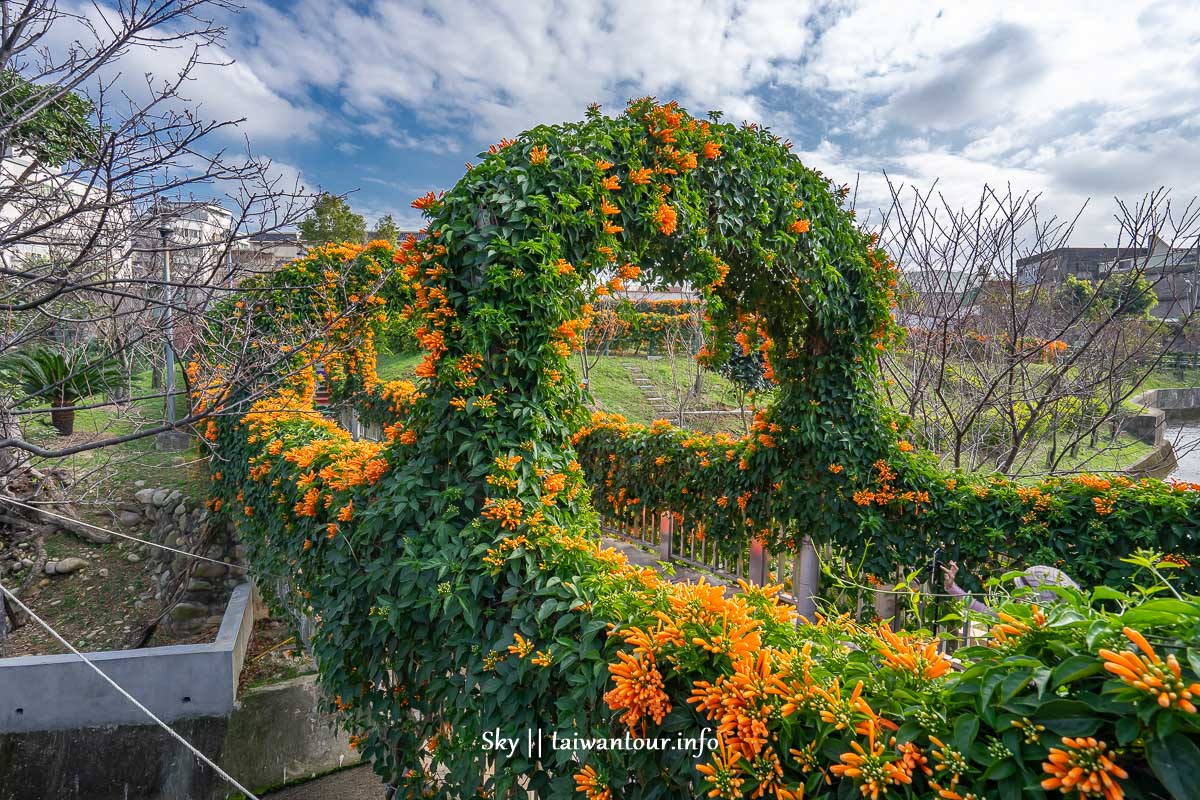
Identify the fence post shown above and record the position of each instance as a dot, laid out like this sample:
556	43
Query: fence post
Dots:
758	562
885	607
665	524
807	581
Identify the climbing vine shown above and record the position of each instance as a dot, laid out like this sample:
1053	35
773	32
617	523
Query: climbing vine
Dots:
453	569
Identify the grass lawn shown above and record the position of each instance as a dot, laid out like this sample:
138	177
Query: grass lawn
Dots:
394	367
1107	457
104	472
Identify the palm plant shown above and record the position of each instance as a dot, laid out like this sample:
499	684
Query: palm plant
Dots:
62	377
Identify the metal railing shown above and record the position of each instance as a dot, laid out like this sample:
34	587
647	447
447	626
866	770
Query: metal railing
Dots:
798	573
678	541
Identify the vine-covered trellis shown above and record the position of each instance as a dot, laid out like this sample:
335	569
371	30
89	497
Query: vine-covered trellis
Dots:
454	569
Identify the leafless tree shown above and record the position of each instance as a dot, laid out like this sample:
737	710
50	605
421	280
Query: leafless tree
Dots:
93	165
1021	356
681	341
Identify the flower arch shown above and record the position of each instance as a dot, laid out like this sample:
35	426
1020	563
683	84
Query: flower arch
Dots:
454	568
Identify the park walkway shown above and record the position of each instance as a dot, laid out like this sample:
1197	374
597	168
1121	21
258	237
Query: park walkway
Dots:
356	783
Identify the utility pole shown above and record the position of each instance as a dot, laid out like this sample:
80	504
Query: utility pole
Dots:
172	439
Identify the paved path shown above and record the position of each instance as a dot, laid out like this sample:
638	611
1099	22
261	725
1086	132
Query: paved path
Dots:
356	783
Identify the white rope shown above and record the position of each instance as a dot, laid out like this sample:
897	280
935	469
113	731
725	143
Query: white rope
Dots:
250	795
126	536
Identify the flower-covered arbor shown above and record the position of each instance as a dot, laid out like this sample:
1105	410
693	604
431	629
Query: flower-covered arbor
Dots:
454	569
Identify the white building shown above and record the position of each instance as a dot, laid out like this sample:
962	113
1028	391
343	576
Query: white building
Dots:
33	197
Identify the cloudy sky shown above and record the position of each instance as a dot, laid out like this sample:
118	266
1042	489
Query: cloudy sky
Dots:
389	98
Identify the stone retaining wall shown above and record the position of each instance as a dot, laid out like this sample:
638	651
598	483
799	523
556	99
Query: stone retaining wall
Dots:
195	591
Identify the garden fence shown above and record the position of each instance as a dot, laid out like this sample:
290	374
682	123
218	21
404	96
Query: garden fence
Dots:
680	541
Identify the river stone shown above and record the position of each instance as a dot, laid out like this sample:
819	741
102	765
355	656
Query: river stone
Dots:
206	569
180	509
144	496
68	565
183	611
133	558
129	519
160	497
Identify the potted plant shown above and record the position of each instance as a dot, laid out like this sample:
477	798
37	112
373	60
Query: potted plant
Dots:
62	377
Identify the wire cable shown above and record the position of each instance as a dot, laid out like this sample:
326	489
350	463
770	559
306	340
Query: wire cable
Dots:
137	539
250	795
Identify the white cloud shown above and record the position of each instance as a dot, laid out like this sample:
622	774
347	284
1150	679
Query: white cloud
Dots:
1079	99
218	88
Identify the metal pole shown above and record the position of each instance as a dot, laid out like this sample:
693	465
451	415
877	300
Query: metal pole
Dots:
758	569
168	346
808	580
666	524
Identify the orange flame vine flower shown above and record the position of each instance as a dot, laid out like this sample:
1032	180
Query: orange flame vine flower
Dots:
1084	767
639	690
588	781
666	218
1162	680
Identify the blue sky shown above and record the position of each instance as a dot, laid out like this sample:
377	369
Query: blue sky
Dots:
388	99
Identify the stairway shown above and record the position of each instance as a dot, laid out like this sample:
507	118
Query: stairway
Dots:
659	405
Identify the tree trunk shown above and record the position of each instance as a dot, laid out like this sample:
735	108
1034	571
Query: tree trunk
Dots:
63	418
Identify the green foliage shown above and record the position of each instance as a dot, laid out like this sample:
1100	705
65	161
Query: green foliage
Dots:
386	230
61	376
332	220
61	131
452	571
1121	294
746	370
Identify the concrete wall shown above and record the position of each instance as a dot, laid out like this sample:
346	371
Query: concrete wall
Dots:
276	734
46	693
1160	407
1159	464
1178	405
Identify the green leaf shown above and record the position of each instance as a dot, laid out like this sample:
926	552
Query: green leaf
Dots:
1174	761
966	728
1075	668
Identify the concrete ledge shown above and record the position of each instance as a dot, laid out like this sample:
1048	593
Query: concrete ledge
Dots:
44	693
1158	464
276	734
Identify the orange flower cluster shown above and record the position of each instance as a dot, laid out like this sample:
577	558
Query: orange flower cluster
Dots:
1011	628
537	155
1161	680
665	218
1084	768
507	512
912	656
639	690
425	201
886	493
588	781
